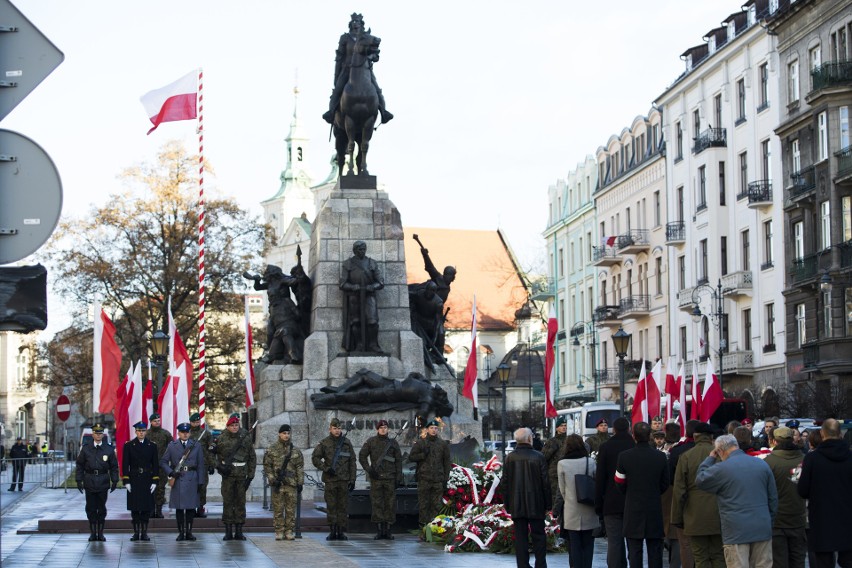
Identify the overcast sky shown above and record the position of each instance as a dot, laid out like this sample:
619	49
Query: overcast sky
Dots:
494	101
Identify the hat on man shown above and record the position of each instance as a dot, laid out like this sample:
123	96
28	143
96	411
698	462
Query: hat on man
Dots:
746	422
659	434
284	428
783	433
98	429
704	428
433	422
560	421
154	416
601	421
233	420
195	418
184	427
335	423
381	423
140	426
792	424
19	439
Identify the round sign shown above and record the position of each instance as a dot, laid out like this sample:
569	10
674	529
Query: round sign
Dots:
63	407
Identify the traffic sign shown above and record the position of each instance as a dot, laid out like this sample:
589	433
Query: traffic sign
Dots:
63	407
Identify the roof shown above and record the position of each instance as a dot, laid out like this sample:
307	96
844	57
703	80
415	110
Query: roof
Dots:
485	267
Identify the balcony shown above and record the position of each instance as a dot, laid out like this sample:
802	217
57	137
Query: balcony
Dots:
710	138
543	289
605	256
606	377
675	232
829	356
639	305
633	242
738	362
804	183
831	74
607	315
684	299
737	283
760	194
804	268
844	162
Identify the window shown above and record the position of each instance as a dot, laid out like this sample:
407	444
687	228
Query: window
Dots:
703	274
658	262
679	195
767	244
717	110
747	329
822	136
679	140
657	216
696	123
763	78
681	272
741	101
825	225
797	156
603	292
793	82
743	173
846	205
843	113
561	262
746	250
660	341
22	362
721	183
798	240
724	253
765	155
826	313
770	327
705	334
814	58
702	187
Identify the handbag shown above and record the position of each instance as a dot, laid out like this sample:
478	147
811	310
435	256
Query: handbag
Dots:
584	484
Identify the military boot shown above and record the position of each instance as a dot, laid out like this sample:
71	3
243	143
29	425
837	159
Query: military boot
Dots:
279	535
332	533
144	536
136	527
181	531
101	536
158	512
93	531
228	534
189	535
381	532
340	535
238	533
388	533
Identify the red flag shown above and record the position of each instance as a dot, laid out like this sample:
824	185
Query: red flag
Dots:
180	367
106	363
549	365
696	393
711	398
671	388
148	399
124	396
681	386
610	240
471	389
250	385
166	407
640	399
652	389
175	101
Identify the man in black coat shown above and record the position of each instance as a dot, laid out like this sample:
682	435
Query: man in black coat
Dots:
97	474
826	482
140	473
642	473
18	454
687	443
609	500
527	498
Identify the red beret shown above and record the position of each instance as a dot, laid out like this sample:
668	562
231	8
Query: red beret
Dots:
233	420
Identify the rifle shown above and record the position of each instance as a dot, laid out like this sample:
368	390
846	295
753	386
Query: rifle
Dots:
388	446
225	467
282	473
176	471
338	448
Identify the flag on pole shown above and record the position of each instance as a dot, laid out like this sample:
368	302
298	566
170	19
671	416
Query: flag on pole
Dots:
180	368
652	389
124	393
176	101
148	399
711	397
250	385
135	409
640	399
550	366
471	390
696	393
671	389
166	406
106	363
681	387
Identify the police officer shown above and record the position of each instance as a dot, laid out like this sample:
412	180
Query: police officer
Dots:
97	473
381	459
195	433
183	462
432	456
335	457
139	474
284	468
236	462
161	439
553	453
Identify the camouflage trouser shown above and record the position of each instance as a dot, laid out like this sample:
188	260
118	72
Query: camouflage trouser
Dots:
554	489
160	493
337	503
202	495
234	500
284	508
383	500
429	495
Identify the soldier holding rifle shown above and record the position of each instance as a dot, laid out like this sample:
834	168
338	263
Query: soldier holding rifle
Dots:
235	462
284	468
381	459
183	464
335	457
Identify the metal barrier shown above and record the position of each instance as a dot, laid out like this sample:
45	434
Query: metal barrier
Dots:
37	472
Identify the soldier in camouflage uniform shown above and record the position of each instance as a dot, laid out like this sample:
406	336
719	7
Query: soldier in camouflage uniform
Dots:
236	463
284	468
599	437
381	459
161	439
553	452
209	461
338	476
432	456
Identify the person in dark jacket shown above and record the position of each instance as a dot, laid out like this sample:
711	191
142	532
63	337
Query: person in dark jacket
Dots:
642	473
184	463
432	456
18	454
552	453
97	474
826	482
789	543
527	498
609	500
140	471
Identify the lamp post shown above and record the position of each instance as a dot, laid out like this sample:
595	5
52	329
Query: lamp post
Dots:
503	374
160	351
621	342
586	327
717	294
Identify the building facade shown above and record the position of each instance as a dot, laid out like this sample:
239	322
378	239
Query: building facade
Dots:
25	410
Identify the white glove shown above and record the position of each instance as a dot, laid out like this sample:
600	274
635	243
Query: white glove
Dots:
153	486
127	486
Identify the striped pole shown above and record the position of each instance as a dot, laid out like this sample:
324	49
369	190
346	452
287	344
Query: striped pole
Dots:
202	331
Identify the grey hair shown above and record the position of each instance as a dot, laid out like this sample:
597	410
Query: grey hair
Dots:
725	443
523	436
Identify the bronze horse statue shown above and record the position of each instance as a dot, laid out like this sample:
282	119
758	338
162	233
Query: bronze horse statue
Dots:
356	116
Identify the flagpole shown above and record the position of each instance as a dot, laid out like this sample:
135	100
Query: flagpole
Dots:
202	332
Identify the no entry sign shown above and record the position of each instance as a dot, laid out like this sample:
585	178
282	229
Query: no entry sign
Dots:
63	407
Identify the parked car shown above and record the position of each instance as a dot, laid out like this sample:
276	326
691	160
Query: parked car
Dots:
55	455
804	424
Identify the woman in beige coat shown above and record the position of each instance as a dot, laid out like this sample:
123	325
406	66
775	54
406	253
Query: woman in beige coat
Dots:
578	520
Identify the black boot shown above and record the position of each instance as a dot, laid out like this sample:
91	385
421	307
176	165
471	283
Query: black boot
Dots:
158	512
101	531
135	536
180	514
144	536
228	534
93	532
381	532
189	516
332	533
238	532
189	535
340	535
388	533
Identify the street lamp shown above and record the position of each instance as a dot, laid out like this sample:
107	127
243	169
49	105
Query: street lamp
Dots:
717	295
160	351
584	327
503	374
621	342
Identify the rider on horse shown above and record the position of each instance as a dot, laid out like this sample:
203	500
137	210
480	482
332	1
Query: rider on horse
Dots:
343	59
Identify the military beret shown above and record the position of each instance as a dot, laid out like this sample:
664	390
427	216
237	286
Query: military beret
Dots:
335	423
560	421
184	427
381	423
98	429
195	417
154	416
601	421
703	428
746	422
284	428
140	426
235	415
433	422
233	420
783	432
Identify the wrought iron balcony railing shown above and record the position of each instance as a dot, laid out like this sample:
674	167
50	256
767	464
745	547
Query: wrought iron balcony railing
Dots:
760	192
844	161
804	268
675	231
803	182
710	138
831	74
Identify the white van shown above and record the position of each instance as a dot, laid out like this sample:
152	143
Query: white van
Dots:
582	419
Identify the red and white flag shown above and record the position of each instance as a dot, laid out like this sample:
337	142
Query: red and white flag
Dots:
681	387
471	390
696	393
711	397
135	409
550	365
671	390
640	399
250	385
180	369
652	388
176	101
123	394
148	399
166	406
106	363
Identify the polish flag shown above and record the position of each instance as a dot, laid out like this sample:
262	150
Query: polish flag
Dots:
124	393
106	363
681	387
711	398
640	399
652	389
250	385
166	406
549	365
180	369
696	393
175	101
471	390
610	241
671	390
148	399
135	410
